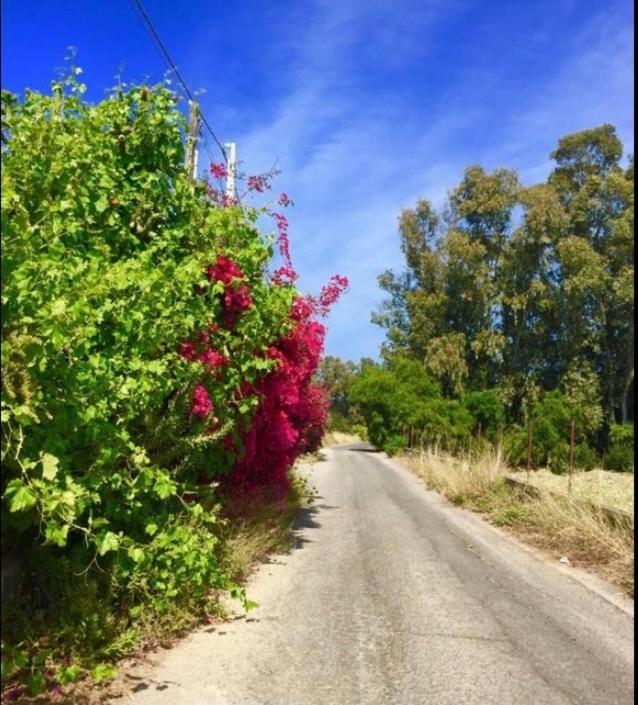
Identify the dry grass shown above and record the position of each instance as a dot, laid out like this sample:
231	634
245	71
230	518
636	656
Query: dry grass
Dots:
612	489
558	524
460	479
336	438
266	530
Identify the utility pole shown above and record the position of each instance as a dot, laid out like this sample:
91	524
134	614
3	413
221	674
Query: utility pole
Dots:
190	161
230	148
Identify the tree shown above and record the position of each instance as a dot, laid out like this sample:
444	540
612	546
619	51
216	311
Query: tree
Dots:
596	260
511	281
336	377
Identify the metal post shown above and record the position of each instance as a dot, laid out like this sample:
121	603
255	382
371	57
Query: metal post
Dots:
571	456
529	444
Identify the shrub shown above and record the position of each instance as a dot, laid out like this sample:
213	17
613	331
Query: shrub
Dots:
584	457
515	446
148	355
551	431
620	455
558	457
487	410
401	395
359	430
394	445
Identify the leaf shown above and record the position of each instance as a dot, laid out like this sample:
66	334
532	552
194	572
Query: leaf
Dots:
69	674
24	415
36	683
108	542
164	487
151	528
101	204
103	671
136	554
58	307
54	533
20	496
49	466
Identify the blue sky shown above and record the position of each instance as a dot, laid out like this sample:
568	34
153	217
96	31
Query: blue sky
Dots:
366	104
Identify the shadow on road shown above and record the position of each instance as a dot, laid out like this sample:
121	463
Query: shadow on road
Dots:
307	519
358	447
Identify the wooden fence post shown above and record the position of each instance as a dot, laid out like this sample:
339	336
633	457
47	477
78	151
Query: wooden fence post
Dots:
529	445
572	436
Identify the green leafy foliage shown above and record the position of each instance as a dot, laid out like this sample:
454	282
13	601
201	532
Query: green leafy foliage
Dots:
620	455
400	400
511	283
108	479
488	410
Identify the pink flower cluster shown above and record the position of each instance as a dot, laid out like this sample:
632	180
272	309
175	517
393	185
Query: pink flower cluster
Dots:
202	406
331	292
258	183
289	420
236	297
224	270
282	236
219	171
220	197
212	359
204	353
284	275
292	410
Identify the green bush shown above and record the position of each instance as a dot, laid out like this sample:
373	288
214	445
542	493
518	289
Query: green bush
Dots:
105	242
620	455
515	446
359	430
558	457
487	410
585	458
551	430
394	445
338	422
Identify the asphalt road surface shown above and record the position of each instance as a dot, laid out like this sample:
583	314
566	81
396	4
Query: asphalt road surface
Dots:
391	596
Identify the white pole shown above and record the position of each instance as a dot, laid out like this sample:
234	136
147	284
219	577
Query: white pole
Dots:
195	160
231	154
191	145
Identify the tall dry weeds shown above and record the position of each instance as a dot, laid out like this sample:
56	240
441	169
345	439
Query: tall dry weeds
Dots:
462	478
560	525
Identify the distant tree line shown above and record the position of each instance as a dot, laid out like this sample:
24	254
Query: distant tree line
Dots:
512	316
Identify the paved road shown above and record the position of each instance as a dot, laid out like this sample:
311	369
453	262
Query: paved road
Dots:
393	597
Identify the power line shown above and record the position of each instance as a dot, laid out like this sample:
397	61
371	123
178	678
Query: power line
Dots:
148	23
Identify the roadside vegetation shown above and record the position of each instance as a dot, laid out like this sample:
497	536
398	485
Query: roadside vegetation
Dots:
512	319
602	487
559	523
509	347
157	385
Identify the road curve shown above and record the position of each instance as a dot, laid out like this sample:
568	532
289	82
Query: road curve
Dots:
391	596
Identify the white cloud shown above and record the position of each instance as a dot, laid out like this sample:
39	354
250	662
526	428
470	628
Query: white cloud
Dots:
352	159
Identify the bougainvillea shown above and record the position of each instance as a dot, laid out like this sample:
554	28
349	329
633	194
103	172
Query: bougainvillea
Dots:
291	414
290	418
